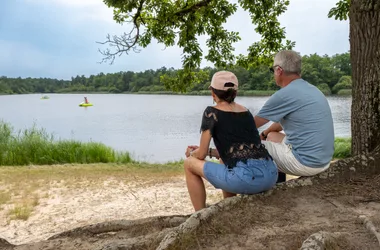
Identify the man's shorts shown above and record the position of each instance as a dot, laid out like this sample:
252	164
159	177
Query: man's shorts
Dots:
287	163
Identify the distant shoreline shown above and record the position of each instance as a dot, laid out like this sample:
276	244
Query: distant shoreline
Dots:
252	93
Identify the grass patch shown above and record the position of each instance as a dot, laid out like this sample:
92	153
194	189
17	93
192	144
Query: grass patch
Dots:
35	178
4	197
20	212
342	148
36	146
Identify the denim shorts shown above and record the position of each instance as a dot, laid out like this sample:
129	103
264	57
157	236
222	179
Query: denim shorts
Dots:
255	176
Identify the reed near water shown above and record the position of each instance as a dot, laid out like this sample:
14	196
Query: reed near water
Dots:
36	146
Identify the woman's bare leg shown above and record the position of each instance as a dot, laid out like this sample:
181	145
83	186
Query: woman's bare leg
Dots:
227	194
195	185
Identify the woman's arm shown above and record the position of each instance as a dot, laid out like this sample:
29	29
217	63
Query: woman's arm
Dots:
203	150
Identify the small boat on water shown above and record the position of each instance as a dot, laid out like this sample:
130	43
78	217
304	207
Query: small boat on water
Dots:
83	104
44	97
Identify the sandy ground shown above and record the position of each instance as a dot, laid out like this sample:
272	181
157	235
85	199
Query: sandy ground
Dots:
280	221
66	209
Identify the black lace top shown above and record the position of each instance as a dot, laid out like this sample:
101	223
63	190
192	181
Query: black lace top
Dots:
235	135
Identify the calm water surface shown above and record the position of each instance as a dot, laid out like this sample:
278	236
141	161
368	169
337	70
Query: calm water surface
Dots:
154	128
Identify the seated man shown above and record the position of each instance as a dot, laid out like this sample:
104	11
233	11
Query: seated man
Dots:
299	109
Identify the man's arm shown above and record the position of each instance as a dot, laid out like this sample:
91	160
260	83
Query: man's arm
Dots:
259	121
275	127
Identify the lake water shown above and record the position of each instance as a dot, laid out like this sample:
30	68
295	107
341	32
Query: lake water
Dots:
153	128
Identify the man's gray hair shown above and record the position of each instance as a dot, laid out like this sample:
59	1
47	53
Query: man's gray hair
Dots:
289	61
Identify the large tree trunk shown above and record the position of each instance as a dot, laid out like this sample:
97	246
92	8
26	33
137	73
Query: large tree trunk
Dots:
365	62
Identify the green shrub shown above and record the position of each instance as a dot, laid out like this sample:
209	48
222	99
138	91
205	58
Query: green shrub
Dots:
342	148
345	92
344	82
324	88
113	89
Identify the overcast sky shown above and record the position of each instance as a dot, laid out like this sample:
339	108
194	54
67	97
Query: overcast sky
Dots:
57	38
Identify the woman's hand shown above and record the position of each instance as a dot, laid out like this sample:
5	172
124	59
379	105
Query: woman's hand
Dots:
189	149
187	153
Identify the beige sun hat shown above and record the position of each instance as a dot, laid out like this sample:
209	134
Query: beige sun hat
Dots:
220	78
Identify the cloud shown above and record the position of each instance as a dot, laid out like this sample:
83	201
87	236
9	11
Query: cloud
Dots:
71	3
31	60
57	38
80	10
307	24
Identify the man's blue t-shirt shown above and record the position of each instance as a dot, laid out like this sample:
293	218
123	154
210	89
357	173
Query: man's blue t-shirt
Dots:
305	116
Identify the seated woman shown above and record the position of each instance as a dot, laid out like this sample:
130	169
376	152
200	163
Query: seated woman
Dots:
245	166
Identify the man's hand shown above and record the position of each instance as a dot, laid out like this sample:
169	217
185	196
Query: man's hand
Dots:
263	136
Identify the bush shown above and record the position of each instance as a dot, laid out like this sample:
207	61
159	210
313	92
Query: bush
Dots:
145	89
342	148
344	82
113	89
345	92
158	88
324	88
103	89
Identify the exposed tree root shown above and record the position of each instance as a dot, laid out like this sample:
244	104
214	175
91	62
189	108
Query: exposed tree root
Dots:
317	241
142	242
370	227
133	227
5	245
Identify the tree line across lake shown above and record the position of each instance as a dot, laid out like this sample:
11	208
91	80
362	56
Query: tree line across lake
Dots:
331	74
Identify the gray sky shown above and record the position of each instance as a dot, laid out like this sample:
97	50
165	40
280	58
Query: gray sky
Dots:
57	38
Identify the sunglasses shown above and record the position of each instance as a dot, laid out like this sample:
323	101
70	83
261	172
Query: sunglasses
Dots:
271	69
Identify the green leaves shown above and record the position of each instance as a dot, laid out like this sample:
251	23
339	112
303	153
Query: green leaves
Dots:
264	14
181	80
175	22
340	12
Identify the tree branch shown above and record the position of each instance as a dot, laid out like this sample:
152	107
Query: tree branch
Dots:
125	42
128	41
192	8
